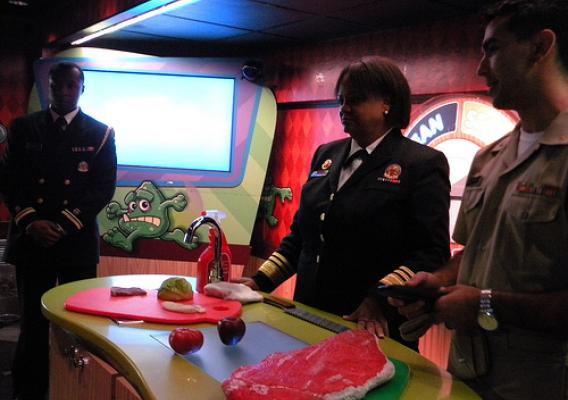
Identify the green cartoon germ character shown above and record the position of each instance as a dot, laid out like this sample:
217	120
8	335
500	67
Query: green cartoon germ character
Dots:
268	201
145	216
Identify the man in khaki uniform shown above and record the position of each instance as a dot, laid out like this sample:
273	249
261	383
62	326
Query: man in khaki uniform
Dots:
506	294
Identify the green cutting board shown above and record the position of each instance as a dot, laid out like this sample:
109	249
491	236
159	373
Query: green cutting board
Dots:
393	389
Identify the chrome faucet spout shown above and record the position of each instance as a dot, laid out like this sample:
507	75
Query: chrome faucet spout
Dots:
216	274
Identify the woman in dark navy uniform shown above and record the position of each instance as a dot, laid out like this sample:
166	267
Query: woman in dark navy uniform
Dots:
59	171
374	208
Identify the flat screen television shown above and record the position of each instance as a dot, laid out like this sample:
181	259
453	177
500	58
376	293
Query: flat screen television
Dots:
165	121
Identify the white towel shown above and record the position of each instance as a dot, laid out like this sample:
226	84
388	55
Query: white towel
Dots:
233	291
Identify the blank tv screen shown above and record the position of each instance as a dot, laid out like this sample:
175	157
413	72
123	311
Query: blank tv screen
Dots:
164	121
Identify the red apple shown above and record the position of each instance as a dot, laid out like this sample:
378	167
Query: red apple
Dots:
185	340
231	330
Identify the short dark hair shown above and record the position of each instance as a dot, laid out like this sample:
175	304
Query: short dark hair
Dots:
528	17
64	67
379	77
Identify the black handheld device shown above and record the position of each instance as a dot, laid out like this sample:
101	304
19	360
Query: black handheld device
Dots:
407	293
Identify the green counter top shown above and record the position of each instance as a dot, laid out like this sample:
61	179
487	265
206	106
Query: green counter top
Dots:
158	373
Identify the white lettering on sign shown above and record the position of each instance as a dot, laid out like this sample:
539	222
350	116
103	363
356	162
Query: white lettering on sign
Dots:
435	125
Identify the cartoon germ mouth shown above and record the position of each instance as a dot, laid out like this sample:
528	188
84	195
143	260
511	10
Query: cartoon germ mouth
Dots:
150	220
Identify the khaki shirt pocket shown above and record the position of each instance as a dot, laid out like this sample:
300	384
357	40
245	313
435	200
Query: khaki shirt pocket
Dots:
539	230
471	203
532	209
472	197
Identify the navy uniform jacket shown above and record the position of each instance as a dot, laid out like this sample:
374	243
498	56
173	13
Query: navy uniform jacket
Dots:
342	242
64	177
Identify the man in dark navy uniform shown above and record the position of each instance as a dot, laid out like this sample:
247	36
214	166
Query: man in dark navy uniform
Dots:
58	172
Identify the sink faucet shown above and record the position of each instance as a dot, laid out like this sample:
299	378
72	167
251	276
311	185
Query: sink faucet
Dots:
216	273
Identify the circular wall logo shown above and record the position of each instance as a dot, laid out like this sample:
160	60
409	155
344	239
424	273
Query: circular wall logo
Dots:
459	126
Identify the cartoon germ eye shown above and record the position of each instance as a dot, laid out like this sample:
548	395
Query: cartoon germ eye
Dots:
144	205
132	206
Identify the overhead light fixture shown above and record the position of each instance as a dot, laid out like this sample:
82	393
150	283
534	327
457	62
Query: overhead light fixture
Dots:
19	3
120	25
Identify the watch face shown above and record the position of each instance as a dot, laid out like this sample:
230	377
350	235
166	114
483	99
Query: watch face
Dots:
487	321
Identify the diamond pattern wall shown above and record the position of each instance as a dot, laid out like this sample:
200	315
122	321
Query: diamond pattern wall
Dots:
14	91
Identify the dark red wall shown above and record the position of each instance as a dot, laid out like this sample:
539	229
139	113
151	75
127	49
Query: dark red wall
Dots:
15	84
440	57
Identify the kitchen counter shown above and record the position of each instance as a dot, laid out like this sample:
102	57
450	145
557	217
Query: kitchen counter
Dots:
158	373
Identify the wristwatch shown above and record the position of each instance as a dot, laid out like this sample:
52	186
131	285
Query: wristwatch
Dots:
486	317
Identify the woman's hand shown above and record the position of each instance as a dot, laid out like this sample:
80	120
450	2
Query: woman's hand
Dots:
369	316
247	282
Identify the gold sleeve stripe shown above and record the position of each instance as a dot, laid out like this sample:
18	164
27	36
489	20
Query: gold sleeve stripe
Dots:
388	281
276	268
272	272
407	270
282	262
399	276
393	279
72	218
26	211
280	258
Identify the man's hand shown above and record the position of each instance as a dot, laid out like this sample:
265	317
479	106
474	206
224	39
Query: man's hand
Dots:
44	232
416	309
458	307
247	282
369	316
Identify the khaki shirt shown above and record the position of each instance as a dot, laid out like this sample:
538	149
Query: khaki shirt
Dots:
513	215
514	226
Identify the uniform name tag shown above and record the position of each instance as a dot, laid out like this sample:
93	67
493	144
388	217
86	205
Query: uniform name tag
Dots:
540	190
395	181
318	174
82	149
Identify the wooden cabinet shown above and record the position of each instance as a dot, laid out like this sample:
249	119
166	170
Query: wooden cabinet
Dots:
124	390
76	373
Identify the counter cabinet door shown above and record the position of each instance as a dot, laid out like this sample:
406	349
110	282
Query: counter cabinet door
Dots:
124	390
76	373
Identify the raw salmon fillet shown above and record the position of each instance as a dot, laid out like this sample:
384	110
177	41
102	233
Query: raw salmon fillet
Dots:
345	366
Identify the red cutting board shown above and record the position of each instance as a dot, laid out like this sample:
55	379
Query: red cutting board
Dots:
98	301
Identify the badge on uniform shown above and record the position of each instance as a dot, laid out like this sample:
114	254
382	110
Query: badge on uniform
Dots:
391	174
83	166
324	169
